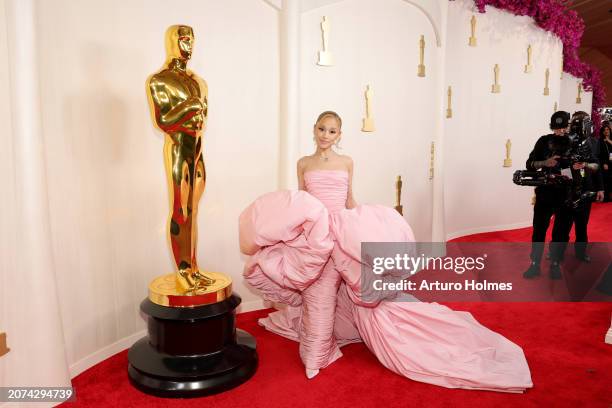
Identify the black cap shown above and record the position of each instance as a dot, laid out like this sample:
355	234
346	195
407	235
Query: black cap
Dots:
559	120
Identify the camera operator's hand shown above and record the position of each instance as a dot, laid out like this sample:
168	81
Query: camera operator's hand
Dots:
578	166
600	196
551	161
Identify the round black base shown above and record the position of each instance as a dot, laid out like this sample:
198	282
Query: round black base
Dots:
191	352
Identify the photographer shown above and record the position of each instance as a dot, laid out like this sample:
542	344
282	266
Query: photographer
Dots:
551	198
588	180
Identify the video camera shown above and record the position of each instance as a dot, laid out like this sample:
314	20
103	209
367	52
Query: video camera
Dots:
576	151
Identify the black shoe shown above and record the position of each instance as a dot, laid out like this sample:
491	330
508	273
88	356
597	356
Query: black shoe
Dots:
555	271
584	258
532	272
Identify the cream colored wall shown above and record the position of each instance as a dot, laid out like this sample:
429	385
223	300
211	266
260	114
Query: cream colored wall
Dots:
7	234
108	198
479	193
375	43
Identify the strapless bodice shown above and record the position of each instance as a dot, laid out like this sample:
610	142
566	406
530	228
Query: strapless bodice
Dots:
328	186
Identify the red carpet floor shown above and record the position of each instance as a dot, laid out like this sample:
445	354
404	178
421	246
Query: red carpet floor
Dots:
570	364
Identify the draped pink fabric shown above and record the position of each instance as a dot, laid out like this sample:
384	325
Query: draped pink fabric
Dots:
305	252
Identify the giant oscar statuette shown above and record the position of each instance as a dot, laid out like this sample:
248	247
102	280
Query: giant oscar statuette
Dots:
193	347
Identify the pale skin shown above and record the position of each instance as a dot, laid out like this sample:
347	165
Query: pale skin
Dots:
327	132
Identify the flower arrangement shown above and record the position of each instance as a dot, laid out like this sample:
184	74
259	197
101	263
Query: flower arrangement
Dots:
554	16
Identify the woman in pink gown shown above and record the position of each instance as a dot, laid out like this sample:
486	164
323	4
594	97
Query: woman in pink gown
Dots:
304	249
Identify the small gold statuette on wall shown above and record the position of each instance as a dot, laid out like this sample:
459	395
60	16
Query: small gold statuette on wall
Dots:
432	153
578	98
528	67
421	67
496	87
398	195
3	347
473	36
368	121
326	58
508	160
546	76
449	109
555	108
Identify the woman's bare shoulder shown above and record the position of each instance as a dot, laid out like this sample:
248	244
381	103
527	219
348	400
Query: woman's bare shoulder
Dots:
347	160
304	161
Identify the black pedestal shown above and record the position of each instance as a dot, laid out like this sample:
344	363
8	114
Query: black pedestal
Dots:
191	352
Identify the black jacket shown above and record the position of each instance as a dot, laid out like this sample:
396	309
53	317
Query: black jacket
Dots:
554	145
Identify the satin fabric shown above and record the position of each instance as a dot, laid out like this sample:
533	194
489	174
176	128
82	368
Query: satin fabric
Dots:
305	252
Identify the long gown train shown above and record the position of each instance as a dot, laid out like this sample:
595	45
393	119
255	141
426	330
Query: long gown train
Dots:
304	252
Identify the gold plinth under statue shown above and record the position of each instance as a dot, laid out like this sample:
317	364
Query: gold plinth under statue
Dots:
179	102
192	347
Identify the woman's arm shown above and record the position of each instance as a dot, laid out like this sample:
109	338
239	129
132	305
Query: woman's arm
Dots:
350	201
300	174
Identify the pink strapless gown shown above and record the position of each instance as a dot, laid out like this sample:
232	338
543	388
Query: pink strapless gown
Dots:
305	252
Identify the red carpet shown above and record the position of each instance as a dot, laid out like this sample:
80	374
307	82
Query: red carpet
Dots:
570	364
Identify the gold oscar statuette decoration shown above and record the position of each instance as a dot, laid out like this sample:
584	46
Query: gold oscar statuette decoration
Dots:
326	58
528	67
432	153
578	97
449	109
3	347
561	64
496	87
472	41
555	108
368	121
546	77
398	196
508	160
192	347
421	67
178	99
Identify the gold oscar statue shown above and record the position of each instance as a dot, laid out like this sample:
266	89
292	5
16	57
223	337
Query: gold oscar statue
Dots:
496	87
528	67
546	77
449	109
421	67
179	102
368	121
398	196
508	160
326	58
579	98
473	41
432	156
3	347
192	347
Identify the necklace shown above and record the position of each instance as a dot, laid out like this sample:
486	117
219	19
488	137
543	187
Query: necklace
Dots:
324	158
